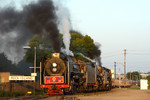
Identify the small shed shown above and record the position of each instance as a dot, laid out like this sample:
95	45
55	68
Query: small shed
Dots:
4	77
143	84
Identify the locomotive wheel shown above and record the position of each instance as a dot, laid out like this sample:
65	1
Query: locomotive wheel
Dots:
55	66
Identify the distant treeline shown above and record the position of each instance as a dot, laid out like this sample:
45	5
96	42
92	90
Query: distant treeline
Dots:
6	65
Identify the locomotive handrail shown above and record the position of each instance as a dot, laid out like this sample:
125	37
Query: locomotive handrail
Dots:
68	73
33	67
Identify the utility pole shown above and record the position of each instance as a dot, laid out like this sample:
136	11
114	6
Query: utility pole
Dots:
115	69
35	74
139	76
34	68
119	77
34	59
124	67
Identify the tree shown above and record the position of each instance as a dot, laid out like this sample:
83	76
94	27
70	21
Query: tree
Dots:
134	75
7	66
79	44
148	78
42	49
83	44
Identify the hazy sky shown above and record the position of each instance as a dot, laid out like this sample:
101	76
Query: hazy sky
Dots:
116	25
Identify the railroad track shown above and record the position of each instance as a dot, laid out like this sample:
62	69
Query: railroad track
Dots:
26	98
42	97
55	97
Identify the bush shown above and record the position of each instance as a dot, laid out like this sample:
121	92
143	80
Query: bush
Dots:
148	78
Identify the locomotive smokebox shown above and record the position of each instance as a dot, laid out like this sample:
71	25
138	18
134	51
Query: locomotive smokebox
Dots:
55	66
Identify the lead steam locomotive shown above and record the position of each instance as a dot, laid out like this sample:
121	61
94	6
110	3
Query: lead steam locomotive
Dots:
63	74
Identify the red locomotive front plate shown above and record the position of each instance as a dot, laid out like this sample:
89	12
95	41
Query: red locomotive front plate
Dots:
54	79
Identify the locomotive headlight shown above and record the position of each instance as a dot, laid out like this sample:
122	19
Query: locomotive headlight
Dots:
54	69
54	64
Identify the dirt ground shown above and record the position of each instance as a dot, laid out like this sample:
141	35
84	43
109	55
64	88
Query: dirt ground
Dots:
119	94
114	94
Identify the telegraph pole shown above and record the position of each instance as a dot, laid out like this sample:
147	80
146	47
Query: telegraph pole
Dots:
115	69
139	76
35	74
124	67
119	77
34	68
34	59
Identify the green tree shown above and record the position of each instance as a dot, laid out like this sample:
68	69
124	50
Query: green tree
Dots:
83	44
148	78
134	75
79	44
5	64
42	49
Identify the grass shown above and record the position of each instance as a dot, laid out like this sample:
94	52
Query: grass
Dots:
10	94
137	87
15	94
134	88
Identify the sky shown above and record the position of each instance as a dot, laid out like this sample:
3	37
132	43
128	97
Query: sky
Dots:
116	25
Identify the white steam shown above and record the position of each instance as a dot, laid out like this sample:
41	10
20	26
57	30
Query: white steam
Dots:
86	57
8	46
64	27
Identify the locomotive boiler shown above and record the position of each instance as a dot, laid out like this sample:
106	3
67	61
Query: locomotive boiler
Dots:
63	74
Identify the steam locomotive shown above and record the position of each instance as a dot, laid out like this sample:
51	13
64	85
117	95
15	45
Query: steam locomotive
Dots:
63	74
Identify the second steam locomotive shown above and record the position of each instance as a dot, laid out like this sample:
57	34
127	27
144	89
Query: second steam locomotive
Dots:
62	74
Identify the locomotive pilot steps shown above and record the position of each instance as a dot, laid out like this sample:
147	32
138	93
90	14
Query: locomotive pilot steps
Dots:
62	74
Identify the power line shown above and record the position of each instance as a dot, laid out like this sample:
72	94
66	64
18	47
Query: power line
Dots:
139	54
140	50
111	56
111	52
136	67
130	52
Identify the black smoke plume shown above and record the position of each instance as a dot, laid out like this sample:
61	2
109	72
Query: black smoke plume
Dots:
17	27
41	19
13	33
97	54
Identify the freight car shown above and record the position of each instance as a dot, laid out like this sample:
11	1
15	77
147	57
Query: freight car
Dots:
62	74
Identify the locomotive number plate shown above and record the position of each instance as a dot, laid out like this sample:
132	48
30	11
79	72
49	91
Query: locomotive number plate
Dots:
54	79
